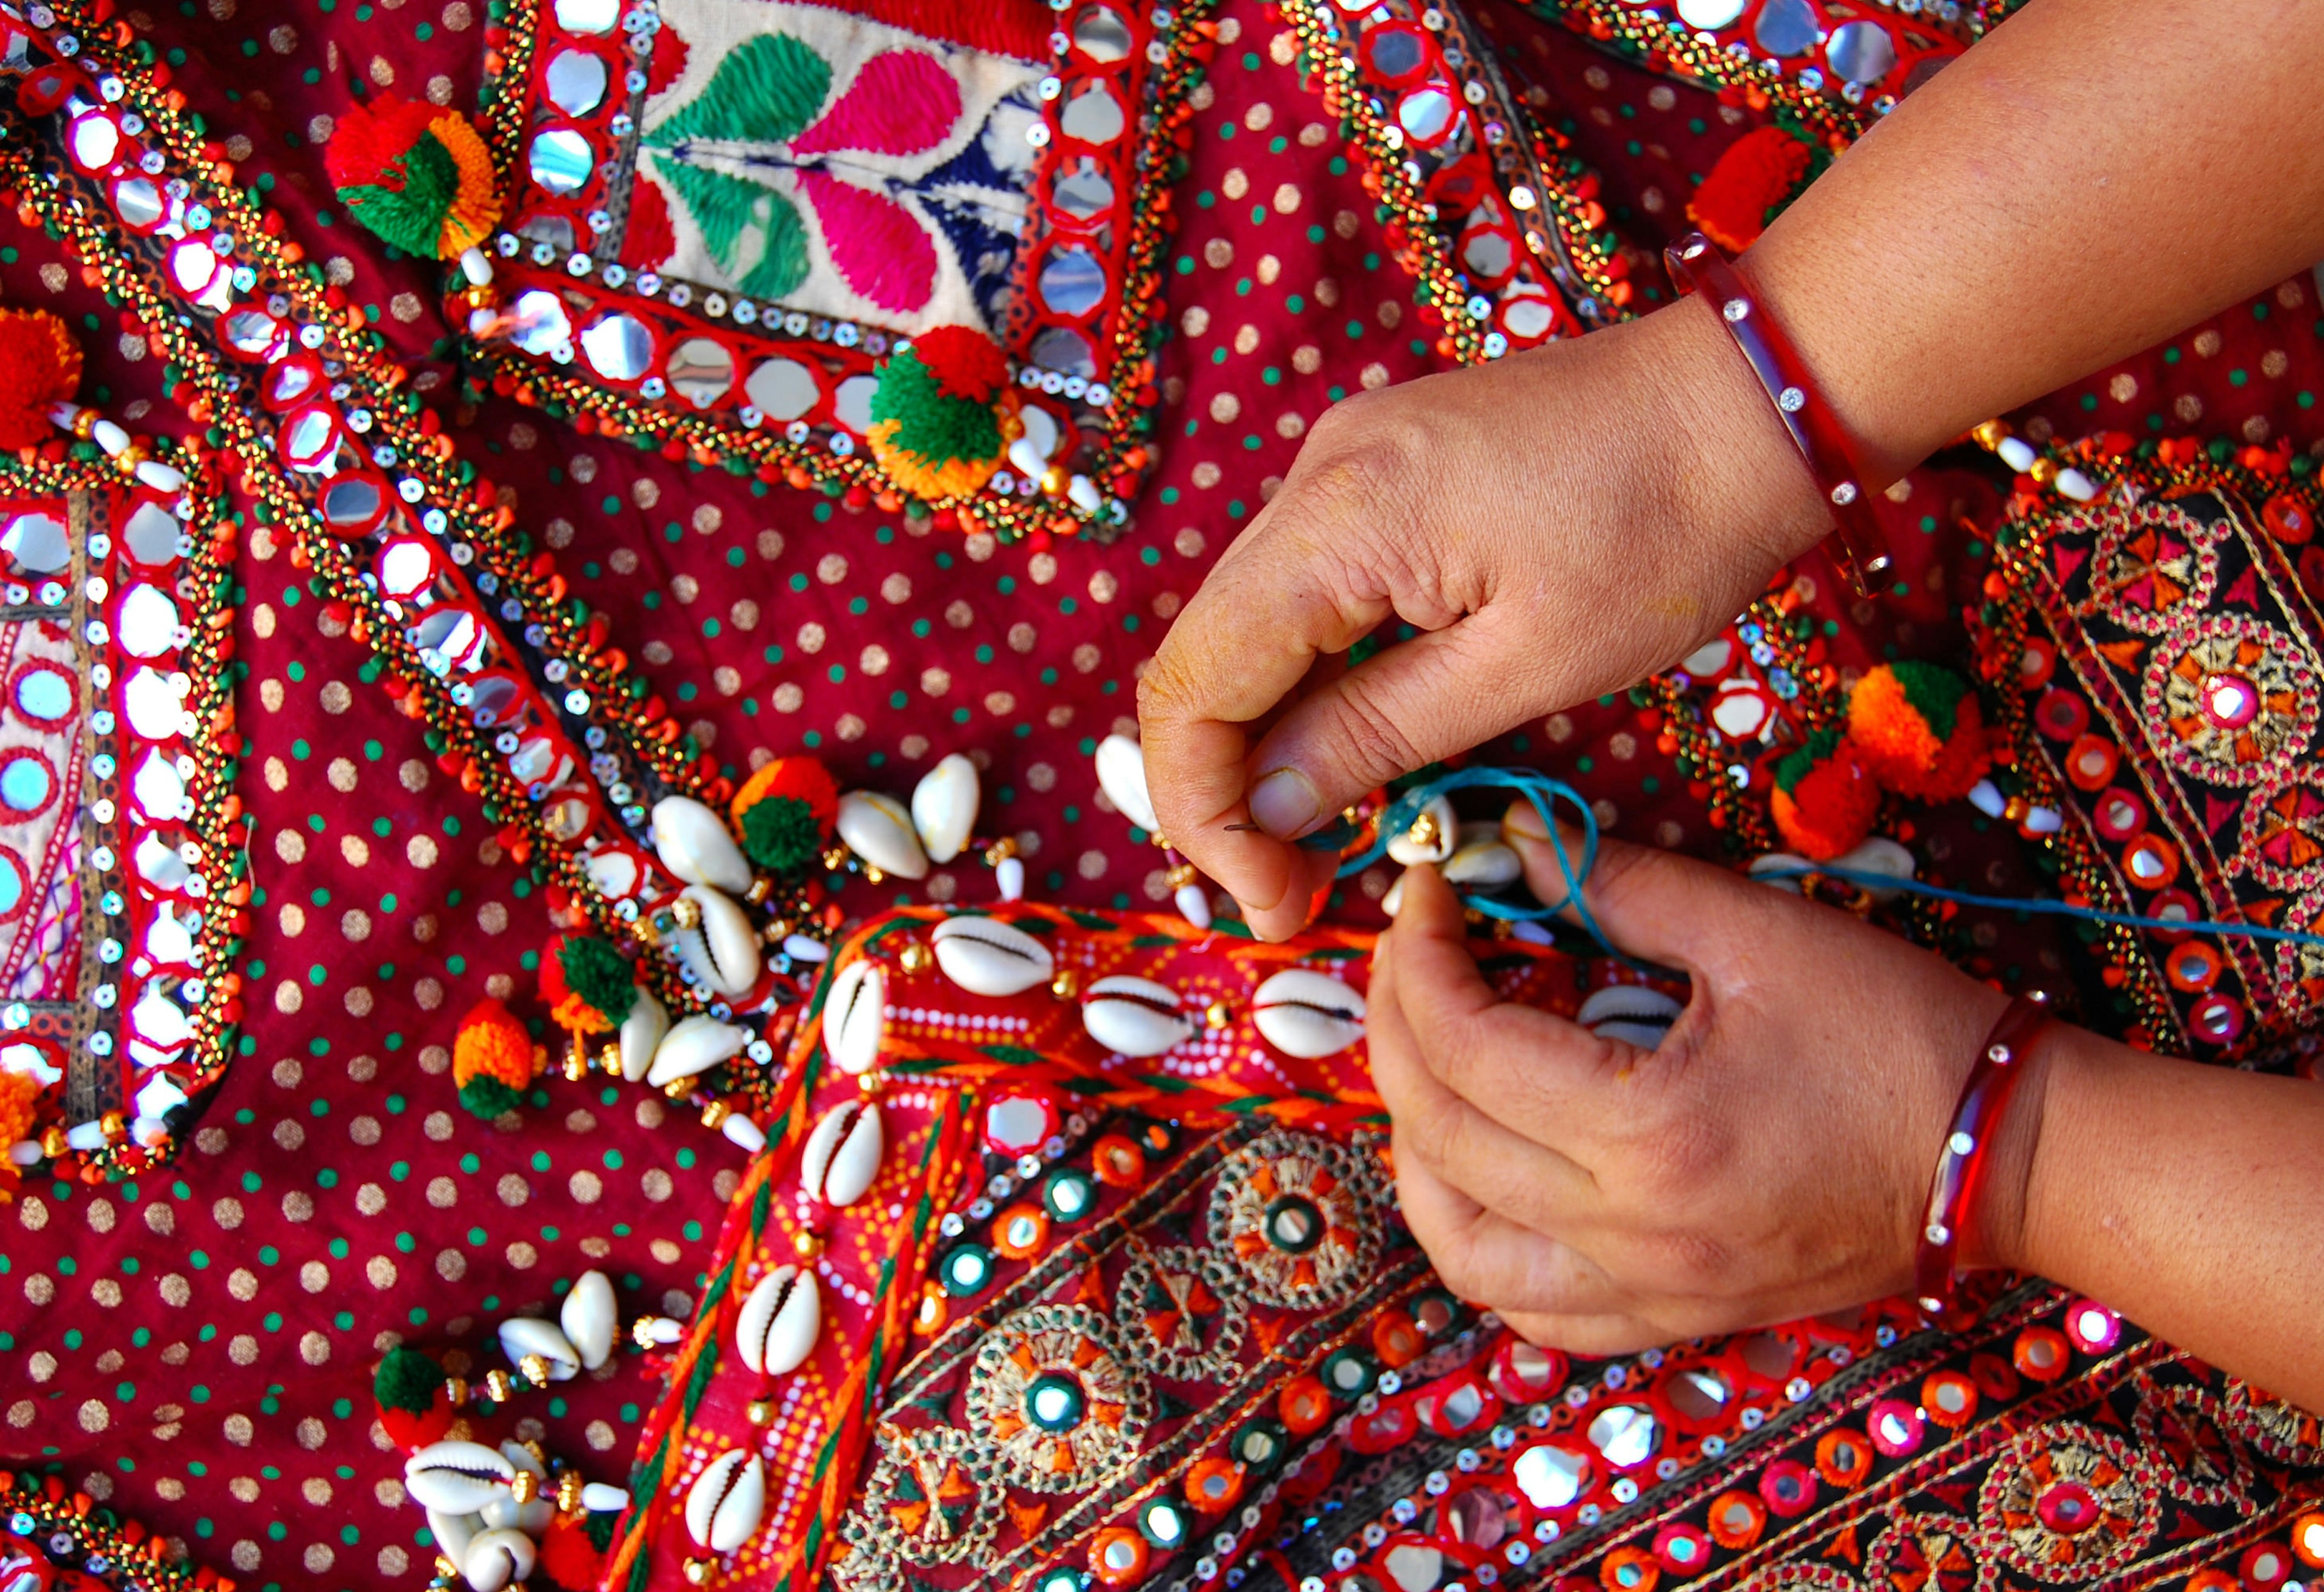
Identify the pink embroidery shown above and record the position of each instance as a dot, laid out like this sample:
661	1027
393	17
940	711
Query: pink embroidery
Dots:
879	248
901	103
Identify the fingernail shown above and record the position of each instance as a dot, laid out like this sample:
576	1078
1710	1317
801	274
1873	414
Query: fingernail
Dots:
1525	822
1285	803
1404	895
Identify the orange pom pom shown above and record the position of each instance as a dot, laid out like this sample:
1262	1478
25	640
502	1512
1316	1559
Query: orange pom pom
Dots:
1920	730
491	1044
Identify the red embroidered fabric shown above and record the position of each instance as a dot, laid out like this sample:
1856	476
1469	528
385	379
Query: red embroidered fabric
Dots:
193	1347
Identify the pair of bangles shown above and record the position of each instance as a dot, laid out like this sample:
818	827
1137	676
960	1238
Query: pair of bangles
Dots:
1858	549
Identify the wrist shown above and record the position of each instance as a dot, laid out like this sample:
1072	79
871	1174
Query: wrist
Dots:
2004	1230
1745	492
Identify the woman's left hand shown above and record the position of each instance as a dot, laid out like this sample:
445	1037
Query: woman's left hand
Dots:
1769	1161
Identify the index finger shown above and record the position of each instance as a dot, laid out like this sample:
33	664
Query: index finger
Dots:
1287	593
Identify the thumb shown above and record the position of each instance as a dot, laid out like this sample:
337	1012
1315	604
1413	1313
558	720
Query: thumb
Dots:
1653	905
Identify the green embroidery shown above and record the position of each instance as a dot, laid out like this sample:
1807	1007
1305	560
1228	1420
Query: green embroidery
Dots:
765	93
754	233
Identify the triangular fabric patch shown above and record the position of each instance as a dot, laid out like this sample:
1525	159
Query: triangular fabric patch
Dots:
1028	1518
1268	1328
2246	590
2217	813
2067	560
2123	654
2263	912
2185	1526
1092	1289
1953	1495
1844	1546
1168	1407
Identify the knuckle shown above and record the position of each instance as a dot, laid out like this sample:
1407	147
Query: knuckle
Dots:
1376	746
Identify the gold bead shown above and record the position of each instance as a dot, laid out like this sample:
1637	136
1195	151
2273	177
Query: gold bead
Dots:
760	888
872	875
677	1088
1000	851
455	1390
686	913
807	1246
1182	875
524	1486
1989	435
568	1492
445	1566
497	1386
870	1085
641	1332
609	1060
1066	985
834	859
914	956
759	1412
716	1113
1424	832
53	1142
1218	1013
535	1370
2044	470
698	1571
1158	838
577	1058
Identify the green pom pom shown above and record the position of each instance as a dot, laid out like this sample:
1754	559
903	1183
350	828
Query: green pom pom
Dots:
489	1097
600	1528
599	975
1935	691
407	1380
410	217
781	833
930	424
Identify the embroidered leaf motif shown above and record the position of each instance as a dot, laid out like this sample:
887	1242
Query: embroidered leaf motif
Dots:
886	255
764	92
754	233
901	103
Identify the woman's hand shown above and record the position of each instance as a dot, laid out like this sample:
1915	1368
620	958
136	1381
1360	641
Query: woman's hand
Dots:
1557	525
1769	1161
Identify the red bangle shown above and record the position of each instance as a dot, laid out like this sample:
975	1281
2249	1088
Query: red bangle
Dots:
1961	1165
1855	545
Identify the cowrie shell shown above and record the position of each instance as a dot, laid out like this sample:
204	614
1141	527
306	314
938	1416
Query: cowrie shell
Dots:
1402	848
723	1505
1308	1014
1135	1016
1484	863
1122	775
496	1559
641	1031
723	952
1631	1013
842	1155
694	844
453	1533
695	1046
527	1335
987	956
944	807
587	1317
855	1016
777	1326
456	1478
532	1515
878	830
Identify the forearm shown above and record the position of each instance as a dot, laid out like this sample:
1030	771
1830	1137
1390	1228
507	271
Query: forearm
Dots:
2189	1197
2093	177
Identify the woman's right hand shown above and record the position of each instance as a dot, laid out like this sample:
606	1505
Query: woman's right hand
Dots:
1555	525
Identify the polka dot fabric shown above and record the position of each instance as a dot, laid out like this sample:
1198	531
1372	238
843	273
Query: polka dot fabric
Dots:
195	1348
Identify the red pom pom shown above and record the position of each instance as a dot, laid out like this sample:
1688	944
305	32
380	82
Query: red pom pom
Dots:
1824	802
571	1561
370	139
965	363
1763	168
39	365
